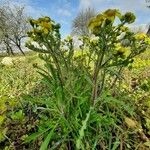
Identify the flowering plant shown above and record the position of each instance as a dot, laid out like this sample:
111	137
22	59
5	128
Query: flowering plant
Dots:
77	80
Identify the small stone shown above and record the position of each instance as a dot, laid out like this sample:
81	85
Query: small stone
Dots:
130	123
7	61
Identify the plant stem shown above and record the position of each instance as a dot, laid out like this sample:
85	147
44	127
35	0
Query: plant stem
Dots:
95	76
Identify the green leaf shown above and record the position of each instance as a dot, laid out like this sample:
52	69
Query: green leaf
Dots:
83	128
34	136
19	115
47	139
116	144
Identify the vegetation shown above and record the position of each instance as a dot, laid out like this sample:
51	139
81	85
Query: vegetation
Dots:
96	97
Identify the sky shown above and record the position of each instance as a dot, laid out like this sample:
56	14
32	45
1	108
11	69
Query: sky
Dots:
64	11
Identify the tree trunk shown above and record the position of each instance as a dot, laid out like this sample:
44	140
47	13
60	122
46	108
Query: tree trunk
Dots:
148	32
19	47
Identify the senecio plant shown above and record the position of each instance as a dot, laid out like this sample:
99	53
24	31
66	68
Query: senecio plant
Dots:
81	110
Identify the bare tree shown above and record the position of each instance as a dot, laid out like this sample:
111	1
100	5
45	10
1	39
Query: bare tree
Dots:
148	3
13	27
80	23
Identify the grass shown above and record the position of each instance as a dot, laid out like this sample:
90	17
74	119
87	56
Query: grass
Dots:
26	106
19	78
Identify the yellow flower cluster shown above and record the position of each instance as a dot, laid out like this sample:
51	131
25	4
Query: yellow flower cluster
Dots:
42	25
121	51
147	40
107	18
143	37
111	14
140	63
140	36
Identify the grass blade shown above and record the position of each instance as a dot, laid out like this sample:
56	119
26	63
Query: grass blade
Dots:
47	139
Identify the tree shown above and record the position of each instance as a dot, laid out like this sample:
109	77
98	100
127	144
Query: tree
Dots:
148	32
80	23
13	27
148	3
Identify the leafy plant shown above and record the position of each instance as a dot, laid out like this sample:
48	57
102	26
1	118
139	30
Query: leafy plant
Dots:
83	110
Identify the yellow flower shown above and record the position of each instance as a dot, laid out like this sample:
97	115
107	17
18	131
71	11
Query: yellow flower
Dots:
93	23
147	40
96	22
100	18
69	38
122	51
111	14
140	36
124	28
45	31
103	19
46	25
127	51
118	46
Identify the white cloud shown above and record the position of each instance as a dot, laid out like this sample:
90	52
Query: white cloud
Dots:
63	12
84	4
124	5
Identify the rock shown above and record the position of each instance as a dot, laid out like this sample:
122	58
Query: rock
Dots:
130	122
7	61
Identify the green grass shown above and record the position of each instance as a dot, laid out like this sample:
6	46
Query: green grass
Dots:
19	78
27	108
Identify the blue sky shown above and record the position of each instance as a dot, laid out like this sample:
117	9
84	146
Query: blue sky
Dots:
64	11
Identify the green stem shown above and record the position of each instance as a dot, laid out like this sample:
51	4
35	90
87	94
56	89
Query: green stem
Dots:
115	80
95	76
102	83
